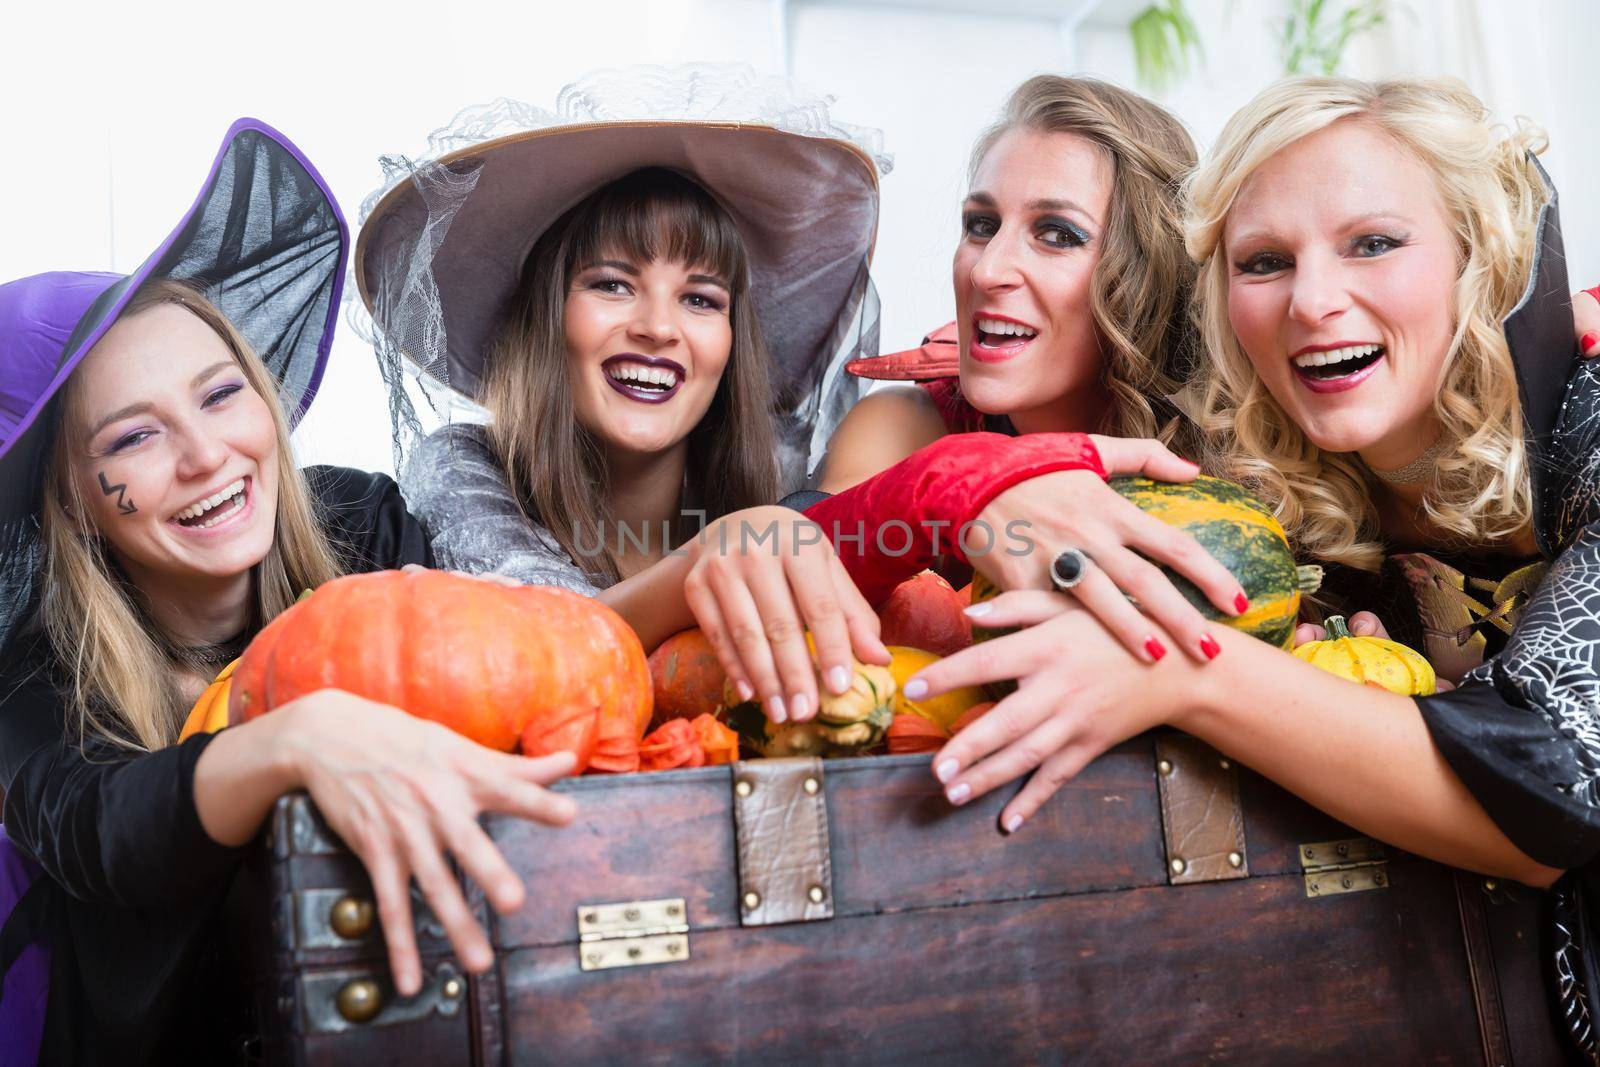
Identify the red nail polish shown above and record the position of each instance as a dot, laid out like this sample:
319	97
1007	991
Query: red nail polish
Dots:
1155	648
1588	341
1241	603
1209	646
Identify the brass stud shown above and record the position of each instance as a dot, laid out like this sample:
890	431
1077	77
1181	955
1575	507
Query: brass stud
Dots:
359	1001
351	917
452	988
1165	767
811	786
752	901
1235	860
1178	866
1225	765
816	894
743	787
1490	884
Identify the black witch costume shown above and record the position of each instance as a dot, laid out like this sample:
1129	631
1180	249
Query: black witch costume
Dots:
1523	728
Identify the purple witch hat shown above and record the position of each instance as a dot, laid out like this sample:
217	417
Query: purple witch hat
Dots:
264	241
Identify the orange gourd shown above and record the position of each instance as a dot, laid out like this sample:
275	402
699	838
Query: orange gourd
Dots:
686	676
925	612
210	712
910	732
970	716
531	666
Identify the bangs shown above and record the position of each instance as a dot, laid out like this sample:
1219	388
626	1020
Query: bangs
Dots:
657	214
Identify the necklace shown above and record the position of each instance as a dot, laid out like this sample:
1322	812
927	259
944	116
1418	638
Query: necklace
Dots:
1417	471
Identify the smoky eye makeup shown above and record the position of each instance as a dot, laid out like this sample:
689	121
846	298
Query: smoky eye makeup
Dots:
1060	232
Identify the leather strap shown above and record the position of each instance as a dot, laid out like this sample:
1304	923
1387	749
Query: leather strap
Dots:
1492	1030
1201	821
780	814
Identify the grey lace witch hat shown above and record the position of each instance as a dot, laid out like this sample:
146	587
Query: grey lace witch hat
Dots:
442	246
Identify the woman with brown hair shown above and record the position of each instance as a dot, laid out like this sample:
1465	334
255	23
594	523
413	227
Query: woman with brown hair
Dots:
649	329
1071	286
154	521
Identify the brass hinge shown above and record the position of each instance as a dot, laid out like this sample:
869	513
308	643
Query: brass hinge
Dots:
633	934
1353	865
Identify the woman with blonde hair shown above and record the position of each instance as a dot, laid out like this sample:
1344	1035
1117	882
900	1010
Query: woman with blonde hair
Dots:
153	522
1386	374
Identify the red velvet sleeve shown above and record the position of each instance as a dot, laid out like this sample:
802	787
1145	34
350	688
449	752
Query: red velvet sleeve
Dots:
903	520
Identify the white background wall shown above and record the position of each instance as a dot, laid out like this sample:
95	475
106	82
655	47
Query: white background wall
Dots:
110	113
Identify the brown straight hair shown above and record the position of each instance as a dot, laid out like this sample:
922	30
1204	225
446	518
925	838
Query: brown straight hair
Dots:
553	464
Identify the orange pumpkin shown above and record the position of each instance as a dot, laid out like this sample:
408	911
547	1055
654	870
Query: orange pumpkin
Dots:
530	665
686	676
924	612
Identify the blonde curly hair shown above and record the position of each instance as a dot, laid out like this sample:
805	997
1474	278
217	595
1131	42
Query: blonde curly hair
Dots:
1492	191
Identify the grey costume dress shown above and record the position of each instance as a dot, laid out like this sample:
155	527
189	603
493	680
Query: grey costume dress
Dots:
456	486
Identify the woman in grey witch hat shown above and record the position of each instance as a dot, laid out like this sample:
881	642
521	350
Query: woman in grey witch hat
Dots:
154	520
651	293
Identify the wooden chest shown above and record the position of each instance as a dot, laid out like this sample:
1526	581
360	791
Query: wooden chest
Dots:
1165	907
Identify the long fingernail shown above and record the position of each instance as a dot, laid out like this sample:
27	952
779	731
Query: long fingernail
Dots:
1589	340
1209	646
775	710
746	693
1011	823
1155	648
916	689
1241	603
799	707
975	610
958	793
838	679
946	770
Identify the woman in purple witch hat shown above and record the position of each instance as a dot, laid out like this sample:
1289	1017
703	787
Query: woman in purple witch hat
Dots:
153	520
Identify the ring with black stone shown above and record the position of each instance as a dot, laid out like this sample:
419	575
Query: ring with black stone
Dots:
1068	568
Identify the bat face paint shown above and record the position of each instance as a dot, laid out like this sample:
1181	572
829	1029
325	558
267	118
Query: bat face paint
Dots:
176	457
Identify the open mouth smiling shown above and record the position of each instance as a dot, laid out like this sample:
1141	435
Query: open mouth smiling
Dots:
647	379
996	338
215	508
1331	368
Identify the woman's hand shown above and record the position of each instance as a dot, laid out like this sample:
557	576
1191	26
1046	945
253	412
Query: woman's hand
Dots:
1362	624
1078	694
1586	321
1075	509
758	580
401	792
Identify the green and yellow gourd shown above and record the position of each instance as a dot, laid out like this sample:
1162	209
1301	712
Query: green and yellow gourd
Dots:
1240	532
846	724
